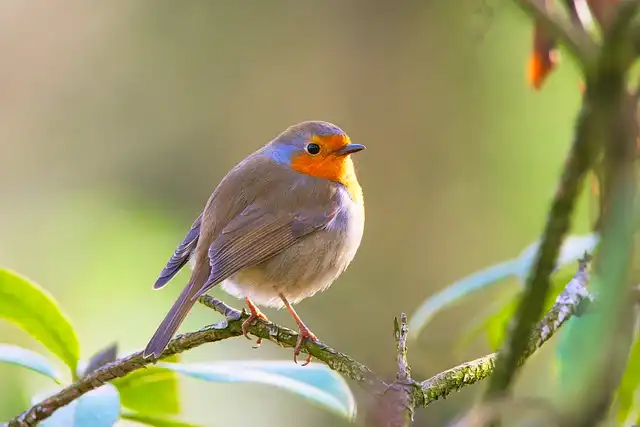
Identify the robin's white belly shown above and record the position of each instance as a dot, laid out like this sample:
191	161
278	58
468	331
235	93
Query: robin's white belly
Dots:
305	268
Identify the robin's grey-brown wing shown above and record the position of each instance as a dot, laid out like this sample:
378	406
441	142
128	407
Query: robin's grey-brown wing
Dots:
251	237
181	255
229	198
257	235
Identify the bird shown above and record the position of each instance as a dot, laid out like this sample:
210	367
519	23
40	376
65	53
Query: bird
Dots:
281	226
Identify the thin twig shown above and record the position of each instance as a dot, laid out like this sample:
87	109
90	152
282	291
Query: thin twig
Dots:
401	332
394	406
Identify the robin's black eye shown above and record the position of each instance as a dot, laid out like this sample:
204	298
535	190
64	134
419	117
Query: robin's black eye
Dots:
313	149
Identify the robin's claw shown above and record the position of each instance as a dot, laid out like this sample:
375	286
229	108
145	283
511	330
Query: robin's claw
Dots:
303	334
254	315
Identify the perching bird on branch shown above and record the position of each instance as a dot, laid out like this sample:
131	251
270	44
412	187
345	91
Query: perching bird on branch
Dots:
282	225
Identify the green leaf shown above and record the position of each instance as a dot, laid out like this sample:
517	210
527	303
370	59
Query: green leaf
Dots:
479	321
153	390
625	395
314	382
97	408
496	326
33	309
30	360
152	420
458	290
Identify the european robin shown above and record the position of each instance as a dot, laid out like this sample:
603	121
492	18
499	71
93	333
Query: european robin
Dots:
282	225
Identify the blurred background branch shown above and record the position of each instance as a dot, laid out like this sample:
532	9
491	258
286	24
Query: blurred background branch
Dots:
579	162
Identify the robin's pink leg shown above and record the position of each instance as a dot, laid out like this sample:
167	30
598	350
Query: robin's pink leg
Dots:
255	314
304	332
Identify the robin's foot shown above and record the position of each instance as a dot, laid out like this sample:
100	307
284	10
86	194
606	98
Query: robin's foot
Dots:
303	332
255	314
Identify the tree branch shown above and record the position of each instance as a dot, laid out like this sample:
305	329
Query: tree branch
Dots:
415	394
230	327
286	337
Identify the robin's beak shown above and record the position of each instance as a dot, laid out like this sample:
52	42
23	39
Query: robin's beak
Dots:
349	149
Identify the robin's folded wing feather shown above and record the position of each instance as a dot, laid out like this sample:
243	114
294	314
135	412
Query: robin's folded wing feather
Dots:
255	236
180	255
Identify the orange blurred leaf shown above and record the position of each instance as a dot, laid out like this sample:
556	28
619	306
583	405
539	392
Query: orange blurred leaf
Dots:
543	58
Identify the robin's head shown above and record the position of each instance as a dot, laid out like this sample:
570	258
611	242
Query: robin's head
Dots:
317	148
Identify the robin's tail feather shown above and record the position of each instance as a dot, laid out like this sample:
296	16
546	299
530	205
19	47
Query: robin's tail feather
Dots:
172	321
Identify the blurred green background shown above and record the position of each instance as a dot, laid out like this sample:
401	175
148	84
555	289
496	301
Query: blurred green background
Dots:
119	118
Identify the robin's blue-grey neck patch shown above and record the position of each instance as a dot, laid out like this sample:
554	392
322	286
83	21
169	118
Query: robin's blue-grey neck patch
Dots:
282	153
